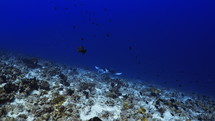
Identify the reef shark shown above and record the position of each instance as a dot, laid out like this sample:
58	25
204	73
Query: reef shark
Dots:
106	71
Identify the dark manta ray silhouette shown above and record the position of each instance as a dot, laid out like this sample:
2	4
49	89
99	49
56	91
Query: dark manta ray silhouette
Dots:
81	49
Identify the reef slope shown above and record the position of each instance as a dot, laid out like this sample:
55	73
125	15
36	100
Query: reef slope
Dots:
33	89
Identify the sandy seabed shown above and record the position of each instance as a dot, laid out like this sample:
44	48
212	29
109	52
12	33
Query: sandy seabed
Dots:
33	89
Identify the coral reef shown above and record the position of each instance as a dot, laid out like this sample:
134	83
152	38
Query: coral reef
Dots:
33	89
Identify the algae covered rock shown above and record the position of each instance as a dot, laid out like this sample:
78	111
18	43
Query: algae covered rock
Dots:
31	62
3	79
5	97
9	88
59	100
155	92
87	86
2	111
44	85
142	110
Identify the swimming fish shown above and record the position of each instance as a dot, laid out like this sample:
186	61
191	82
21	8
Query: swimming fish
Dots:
82	50
106	71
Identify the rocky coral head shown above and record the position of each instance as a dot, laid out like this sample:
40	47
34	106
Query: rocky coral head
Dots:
31	63
95	119
2	79
9	88
58	100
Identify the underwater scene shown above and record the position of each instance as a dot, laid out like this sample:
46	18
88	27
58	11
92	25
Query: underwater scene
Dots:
107	60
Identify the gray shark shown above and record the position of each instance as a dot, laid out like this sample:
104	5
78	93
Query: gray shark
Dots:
106	71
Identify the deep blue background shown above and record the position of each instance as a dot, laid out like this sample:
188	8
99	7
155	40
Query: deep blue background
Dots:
171	43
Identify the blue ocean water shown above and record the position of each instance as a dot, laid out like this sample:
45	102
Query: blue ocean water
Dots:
171	43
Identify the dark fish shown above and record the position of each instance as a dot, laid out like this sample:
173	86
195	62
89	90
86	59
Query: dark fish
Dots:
82	50
107	35
158	75
105	9
55	8
82	38
180	71
179	85
129	47
74	27
66	8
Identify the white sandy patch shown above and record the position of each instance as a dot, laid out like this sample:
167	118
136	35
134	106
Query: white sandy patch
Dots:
186	98
30	118
95	110
18	101
166	116
98	91
15	115
2	85
33	73
35	92
66	102
49	95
